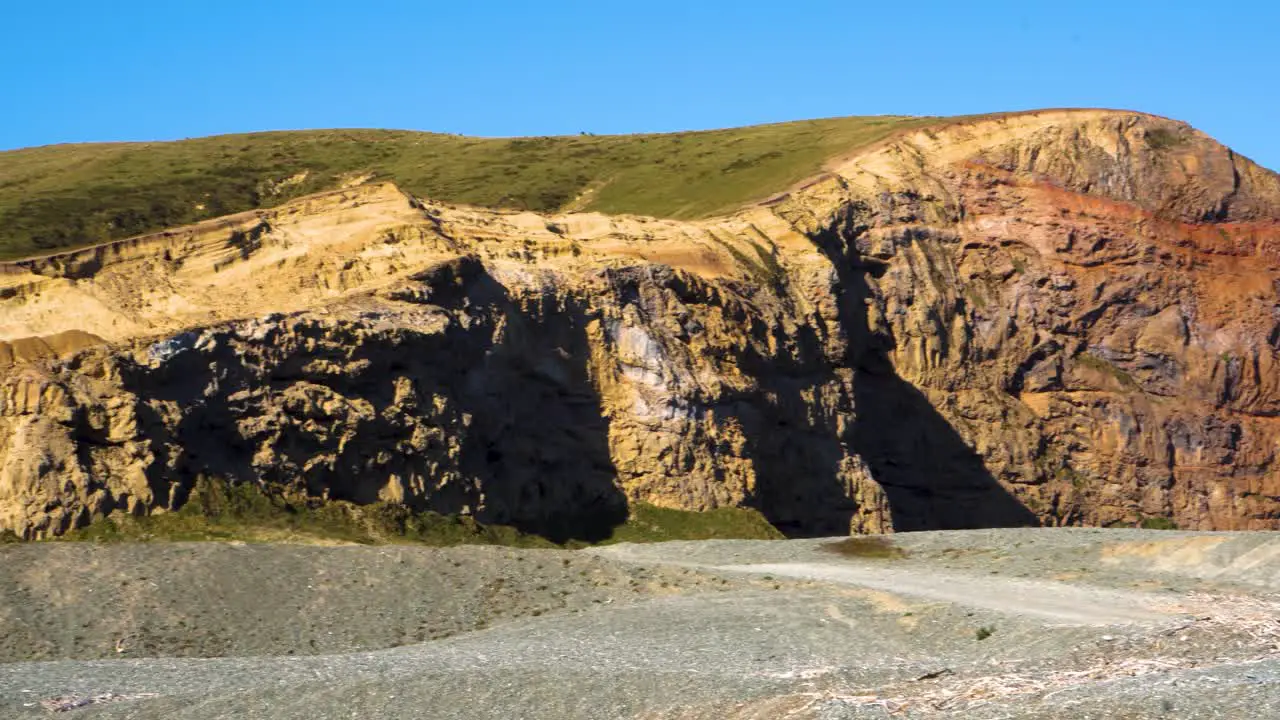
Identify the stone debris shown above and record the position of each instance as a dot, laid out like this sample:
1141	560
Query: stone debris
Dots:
66	703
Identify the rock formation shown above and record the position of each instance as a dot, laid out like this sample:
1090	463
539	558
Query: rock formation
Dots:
1064	317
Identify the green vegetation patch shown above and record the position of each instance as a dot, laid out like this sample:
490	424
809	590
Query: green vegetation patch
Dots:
1164	138
873	547
63	196
217	510
1107	367
1157	523
648	523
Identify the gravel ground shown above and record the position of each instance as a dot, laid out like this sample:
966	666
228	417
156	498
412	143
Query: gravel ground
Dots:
984	624
83	601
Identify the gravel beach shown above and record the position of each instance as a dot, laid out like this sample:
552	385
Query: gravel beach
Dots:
974	624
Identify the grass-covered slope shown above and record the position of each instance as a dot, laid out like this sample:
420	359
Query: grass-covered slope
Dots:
64	196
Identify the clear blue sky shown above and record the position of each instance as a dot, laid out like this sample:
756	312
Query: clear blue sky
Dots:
135	70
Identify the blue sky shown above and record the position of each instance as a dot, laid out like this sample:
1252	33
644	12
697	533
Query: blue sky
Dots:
133	70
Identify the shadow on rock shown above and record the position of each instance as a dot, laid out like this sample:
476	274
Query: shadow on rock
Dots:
539	438
796	440
932	478
493	416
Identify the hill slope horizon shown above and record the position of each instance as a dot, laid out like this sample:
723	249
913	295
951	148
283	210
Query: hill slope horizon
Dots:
66	196
59	197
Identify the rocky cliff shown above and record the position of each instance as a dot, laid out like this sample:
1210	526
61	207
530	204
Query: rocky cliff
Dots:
1064	317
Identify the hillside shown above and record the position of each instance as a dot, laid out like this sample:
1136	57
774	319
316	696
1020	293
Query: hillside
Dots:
1049	318
66	196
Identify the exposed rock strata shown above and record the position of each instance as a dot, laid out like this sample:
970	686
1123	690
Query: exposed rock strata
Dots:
1059	317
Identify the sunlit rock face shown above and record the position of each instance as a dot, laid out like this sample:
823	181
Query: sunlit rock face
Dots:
1054	318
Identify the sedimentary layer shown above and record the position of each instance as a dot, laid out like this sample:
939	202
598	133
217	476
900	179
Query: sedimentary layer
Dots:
1066	317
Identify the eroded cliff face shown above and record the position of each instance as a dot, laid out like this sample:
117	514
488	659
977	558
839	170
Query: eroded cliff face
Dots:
1059	317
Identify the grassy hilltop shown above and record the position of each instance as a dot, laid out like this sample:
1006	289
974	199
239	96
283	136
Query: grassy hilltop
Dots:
64	196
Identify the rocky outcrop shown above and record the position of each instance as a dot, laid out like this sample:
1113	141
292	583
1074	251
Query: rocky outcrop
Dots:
1059	318
1090	300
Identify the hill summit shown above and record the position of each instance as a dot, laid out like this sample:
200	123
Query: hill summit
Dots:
65	196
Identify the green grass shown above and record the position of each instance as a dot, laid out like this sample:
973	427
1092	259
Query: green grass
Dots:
64	196
221	512
217	511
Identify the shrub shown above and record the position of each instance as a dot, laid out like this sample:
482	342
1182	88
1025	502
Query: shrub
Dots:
649	523
1157	523
1164	138
875	547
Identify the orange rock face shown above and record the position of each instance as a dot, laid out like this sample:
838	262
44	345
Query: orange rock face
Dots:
1093	305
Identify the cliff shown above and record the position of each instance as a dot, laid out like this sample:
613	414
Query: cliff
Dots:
1064	317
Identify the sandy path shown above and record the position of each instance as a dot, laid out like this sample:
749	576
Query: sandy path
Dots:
1046	601
1052	602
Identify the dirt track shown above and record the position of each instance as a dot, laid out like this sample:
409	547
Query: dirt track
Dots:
977	625
1052	602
